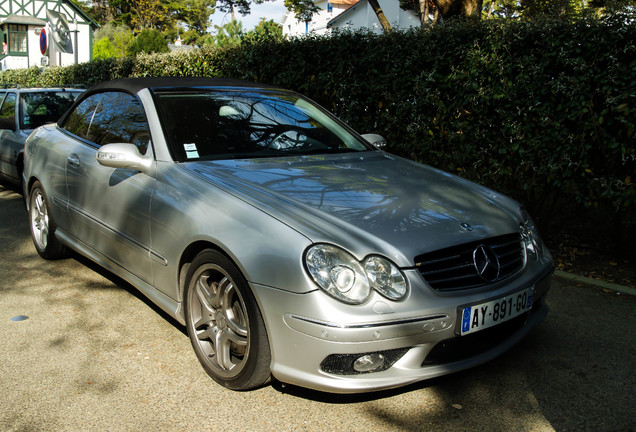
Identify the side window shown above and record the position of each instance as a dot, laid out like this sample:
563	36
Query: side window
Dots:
2	123
38	108
120	118
7	112
79	120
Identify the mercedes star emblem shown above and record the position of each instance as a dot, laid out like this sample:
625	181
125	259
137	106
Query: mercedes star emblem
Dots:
486	263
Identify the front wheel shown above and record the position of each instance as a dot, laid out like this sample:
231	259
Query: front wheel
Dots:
43	225
224	323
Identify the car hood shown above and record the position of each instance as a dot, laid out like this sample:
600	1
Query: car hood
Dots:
369	202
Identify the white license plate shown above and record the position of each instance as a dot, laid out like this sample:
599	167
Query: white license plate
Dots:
484	315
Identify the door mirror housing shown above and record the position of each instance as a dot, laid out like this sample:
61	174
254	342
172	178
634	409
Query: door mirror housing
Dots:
124	156
375	140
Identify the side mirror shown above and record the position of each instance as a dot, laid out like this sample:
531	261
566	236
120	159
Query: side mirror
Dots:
122	155
375	140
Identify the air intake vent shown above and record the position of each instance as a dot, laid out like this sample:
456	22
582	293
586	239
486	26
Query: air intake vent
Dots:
473	265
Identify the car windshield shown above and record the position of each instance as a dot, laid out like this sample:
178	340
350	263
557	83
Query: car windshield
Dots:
239	124
38	108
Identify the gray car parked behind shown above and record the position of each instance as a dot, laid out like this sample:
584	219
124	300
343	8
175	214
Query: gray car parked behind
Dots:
21	111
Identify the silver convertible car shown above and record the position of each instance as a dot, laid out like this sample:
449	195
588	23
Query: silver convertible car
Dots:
288	245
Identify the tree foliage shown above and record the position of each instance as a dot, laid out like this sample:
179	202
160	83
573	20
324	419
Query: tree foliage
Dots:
148	14
611	5
303	10
265	31
186	19
453	8
103	49
155	14
148	41
116	12
112	41
433	10
194	14
551	8
230	34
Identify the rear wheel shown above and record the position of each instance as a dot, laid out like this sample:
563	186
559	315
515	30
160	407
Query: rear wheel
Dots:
224	323
43	225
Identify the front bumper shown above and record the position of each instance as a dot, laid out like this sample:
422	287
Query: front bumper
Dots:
319	353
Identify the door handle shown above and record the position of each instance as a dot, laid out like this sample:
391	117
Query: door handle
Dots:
73	160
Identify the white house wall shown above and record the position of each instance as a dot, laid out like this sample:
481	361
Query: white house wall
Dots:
14	63
358	16
318	24
38	8
362	16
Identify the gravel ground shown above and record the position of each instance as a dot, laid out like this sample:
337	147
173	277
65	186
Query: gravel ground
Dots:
94	355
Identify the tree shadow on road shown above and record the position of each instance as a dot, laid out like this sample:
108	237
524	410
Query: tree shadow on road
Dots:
122	284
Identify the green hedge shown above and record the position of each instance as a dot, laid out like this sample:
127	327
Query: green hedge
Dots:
544	111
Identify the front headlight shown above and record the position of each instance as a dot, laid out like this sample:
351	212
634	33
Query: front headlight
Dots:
340	275
385	277
530	235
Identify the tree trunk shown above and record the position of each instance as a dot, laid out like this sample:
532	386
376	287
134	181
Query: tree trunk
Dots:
423	12
380	14
465	8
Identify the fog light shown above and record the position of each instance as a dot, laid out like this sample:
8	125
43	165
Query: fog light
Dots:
354	364
368	362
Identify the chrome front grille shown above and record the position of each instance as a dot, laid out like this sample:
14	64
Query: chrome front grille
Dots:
473	265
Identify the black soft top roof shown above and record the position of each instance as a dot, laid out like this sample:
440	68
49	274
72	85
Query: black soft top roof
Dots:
134	85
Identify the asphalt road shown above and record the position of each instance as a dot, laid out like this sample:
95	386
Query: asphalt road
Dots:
93	355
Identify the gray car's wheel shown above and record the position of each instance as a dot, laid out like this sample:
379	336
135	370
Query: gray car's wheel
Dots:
225	324
43	225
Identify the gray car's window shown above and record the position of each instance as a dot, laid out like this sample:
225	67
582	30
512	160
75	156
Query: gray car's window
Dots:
39	108
7	112
212	124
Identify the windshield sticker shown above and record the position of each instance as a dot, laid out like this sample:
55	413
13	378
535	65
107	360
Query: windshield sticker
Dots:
191	151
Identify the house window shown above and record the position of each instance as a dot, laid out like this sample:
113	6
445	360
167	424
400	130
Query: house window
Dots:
18	39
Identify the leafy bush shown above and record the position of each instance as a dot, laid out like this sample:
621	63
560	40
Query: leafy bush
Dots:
544	111
149	41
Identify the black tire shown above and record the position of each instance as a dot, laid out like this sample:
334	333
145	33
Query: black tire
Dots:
43	225
225	324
